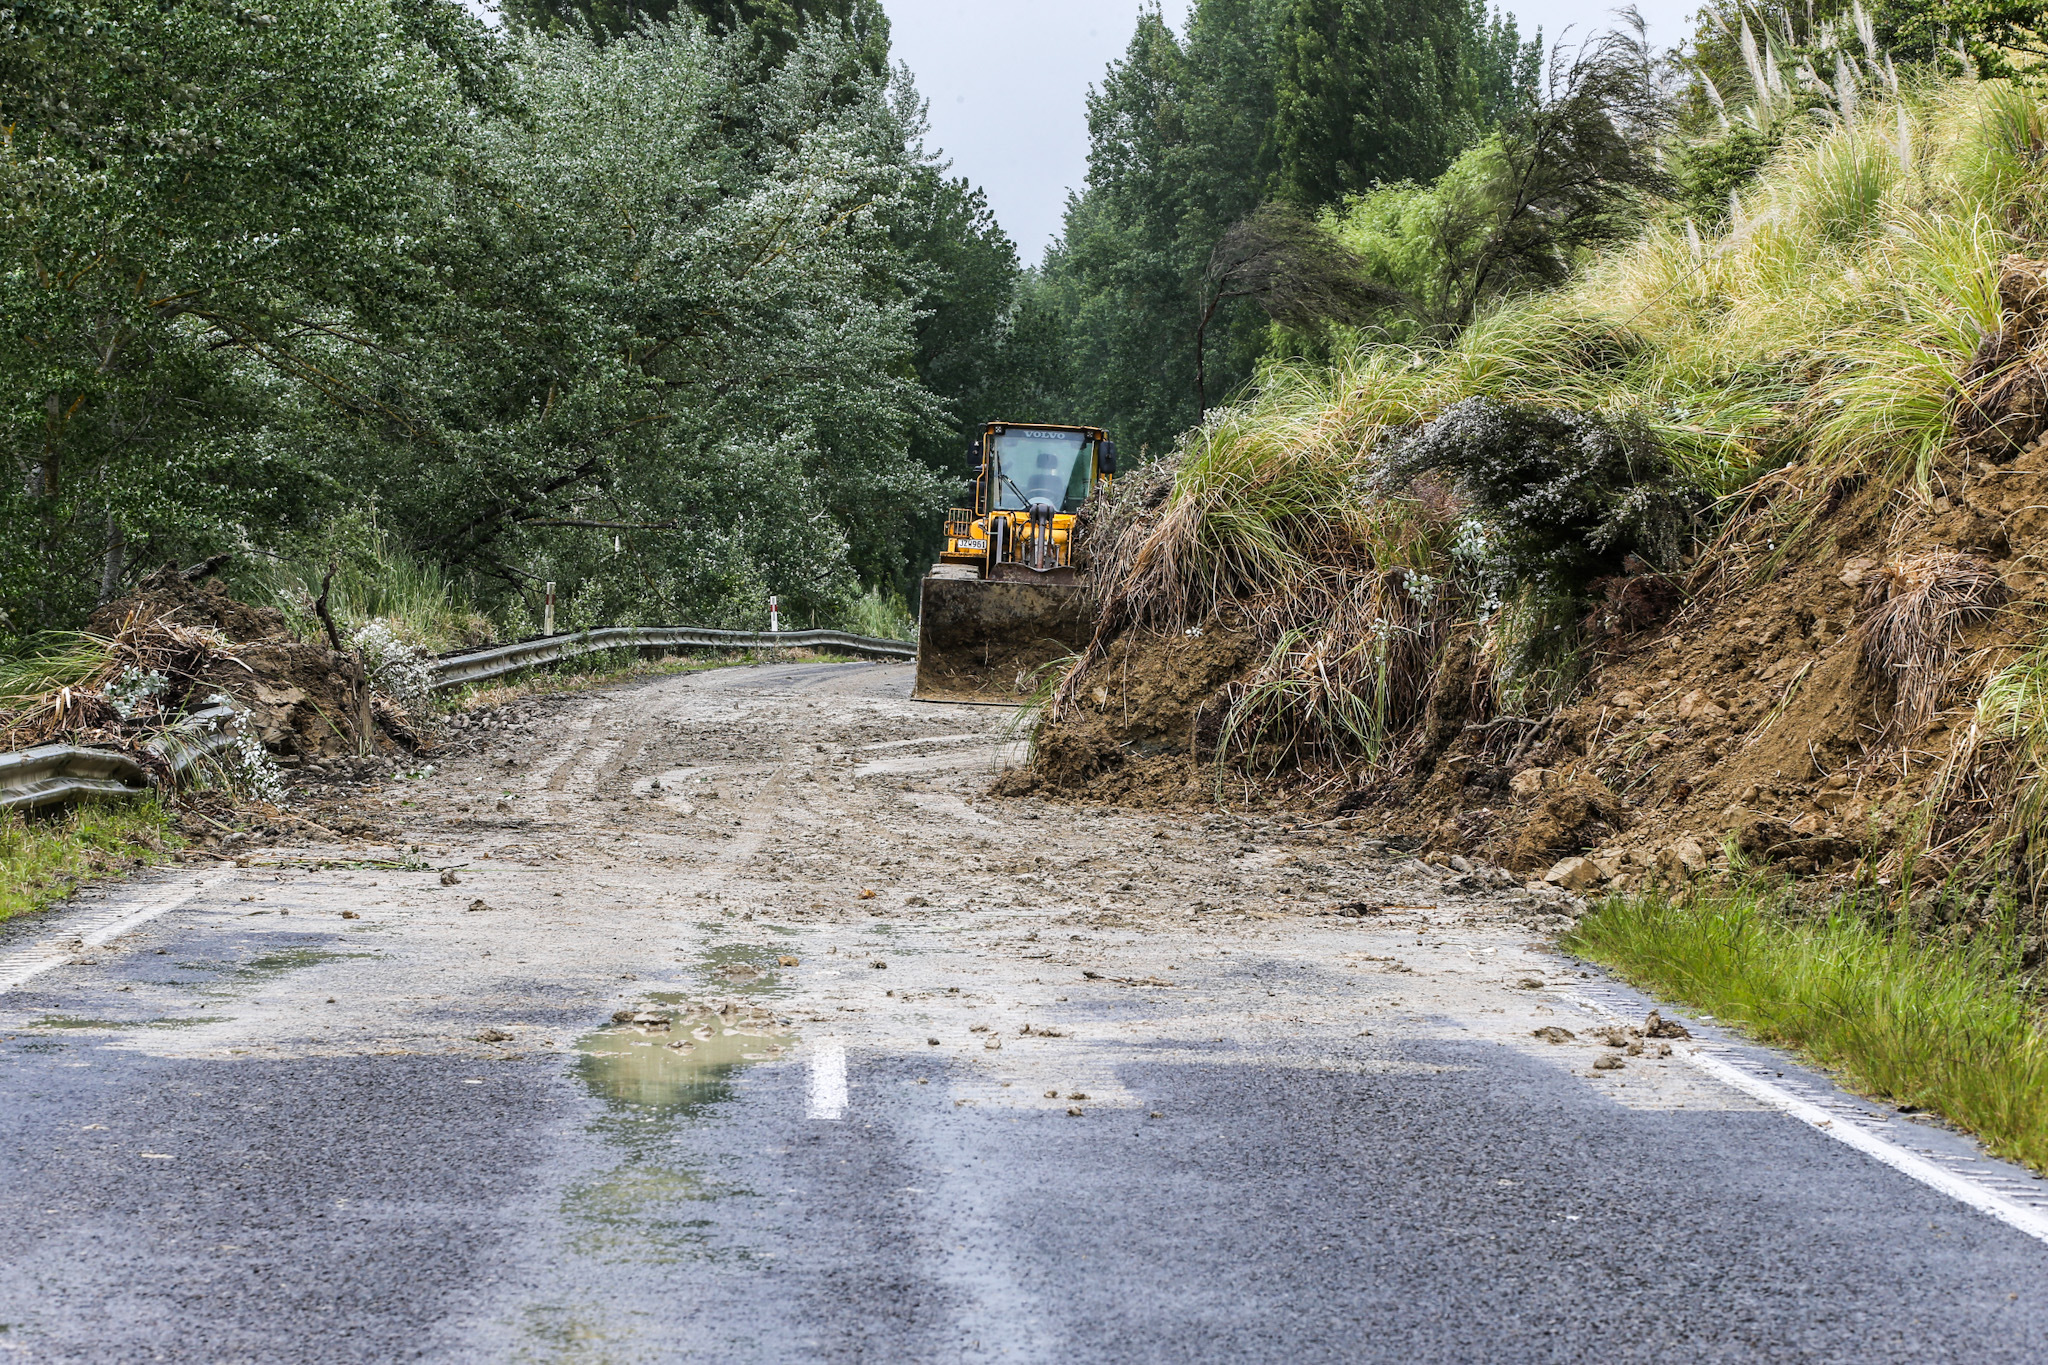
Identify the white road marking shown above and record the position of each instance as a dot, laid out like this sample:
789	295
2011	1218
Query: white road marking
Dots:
1984	1200
828	1079
1844	1130
100	926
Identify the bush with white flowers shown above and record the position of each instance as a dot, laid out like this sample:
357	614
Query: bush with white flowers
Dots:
400	671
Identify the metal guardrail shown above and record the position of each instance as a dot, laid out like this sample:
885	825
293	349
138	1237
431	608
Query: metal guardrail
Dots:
458	669
52	774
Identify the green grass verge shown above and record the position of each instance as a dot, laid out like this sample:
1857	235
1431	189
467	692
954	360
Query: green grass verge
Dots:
1948	1027
44	858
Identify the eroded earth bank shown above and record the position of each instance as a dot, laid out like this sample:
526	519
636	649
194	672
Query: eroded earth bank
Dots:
726	1016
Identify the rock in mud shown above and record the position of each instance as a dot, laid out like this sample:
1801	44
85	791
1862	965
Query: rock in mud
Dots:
1610	1062
1682	859
1657	1026
448	877
1574	874
1573	818
1551	1033
494	1035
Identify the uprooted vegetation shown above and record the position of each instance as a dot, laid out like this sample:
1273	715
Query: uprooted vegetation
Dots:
1734	548
177	645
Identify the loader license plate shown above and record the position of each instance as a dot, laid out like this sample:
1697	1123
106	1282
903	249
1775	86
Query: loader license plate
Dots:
966	544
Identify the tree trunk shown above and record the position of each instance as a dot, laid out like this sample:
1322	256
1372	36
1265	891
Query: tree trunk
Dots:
115	563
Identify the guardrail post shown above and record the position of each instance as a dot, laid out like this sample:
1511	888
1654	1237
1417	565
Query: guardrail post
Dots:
547	613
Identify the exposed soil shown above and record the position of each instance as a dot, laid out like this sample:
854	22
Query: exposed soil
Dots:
1139	733
303	700
1755	712
170	596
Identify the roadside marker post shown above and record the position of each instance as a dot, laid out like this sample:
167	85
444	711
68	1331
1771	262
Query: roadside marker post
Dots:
547	613
774	616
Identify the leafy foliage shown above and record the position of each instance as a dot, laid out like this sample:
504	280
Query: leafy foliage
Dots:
645	317
1370	91
1561	178
773	26
1191	133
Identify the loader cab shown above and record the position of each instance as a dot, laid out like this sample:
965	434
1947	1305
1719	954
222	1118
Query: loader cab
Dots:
1028	465
1032	479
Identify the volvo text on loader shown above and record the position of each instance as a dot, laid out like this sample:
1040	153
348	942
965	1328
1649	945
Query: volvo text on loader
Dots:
1007	595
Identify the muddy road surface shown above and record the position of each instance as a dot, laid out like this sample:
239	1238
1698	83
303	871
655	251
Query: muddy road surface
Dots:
745	1028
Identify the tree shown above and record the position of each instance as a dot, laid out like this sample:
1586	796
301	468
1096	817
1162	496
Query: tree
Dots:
1560	179
1295	269
191	197
774	25
1188	134
628	315
1372	91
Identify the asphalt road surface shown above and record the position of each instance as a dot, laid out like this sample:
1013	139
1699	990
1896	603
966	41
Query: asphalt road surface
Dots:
920	1075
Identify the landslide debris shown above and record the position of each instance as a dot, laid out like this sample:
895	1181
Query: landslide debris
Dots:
1804	696
302	700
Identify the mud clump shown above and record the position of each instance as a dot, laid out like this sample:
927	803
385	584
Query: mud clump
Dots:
302	700
179	598
1570	820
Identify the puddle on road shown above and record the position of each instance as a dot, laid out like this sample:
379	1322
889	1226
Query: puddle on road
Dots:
229	975
749	968
673	1072
67	1021
651	1208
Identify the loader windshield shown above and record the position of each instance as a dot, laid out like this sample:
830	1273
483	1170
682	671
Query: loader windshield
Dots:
1057	466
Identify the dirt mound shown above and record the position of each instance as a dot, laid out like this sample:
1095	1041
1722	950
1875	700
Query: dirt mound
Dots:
302	699
189	598
1140	733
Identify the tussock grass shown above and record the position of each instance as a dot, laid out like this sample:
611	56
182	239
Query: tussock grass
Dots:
48	664
1909	632
1949	1027
886	616
43	859
375	579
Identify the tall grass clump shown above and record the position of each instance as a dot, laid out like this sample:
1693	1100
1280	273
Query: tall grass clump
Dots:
374	579
884	615
1950	1027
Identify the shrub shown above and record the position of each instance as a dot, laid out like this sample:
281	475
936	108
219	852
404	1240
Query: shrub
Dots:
1568	496
400	671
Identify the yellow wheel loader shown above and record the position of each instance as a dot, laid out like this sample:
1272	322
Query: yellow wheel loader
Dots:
1006	596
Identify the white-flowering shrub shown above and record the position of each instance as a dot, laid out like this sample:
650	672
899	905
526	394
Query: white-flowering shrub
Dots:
400	671
251	772
135	686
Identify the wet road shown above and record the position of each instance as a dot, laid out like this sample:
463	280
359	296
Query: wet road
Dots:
1118	1090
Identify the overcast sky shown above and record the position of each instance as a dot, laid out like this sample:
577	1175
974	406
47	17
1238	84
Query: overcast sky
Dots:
1006	80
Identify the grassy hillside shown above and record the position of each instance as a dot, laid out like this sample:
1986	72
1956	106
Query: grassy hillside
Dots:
1422	540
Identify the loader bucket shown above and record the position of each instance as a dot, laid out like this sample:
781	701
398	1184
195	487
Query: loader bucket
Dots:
981	641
